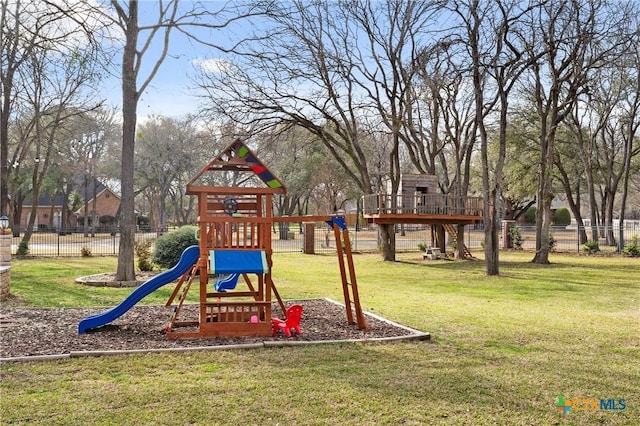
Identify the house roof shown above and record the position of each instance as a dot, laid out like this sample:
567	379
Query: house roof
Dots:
79	183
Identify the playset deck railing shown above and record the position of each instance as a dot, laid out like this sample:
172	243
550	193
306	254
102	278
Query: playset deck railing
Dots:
242	233
237	312
421	204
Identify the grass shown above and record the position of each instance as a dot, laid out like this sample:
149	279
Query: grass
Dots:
503	349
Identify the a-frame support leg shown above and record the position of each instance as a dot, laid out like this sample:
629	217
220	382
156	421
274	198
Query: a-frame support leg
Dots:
349	286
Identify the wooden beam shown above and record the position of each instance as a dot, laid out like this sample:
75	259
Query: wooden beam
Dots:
310	218
203	189
395	219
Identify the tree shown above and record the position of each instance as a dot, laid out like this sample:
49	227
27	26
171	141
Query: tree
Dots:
341	70
394	34
46	46
491	34
87	138
562	37
138	37
166	149
518	190
49	86
571	173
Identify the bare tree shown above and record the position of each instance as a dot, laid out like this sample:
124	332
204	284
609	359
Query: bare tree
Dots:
443	113
492	35
169	18
340	70
631	108
49	85
394	35
31	35
563	35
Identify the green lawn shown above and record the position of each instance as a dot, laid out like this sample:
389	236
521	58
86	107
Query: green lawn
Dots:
503	348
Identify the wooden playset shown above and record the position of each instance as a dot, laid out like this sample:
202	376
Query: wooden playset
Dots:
235	228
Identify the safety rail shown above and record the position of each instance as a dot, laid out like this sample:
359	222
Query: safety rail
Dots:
238	233
235	311
421	204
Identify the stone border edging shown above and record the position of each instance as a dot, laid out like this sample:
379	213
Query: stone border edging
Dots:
86	280
268	344
416	335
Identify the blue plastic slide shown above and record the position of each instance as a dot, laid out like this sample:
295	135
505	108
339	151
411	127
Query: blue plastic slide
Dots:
189	258
228	283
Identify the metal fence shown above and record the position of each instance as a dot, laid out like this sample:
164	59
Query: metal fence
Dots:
364	238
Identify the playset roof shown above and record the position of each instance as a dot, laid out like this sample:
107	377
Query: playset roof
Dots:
238	157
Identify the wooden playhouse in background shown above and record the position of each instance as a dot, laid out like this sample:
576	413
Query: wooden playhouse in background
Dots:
419	202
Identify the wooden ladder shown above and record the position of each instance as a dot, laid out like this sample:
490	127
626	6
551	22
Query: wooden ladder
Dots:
451	230
349	287
188	277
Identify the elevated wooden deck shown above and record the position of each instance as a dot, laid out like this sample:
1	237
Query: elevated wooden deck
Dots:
432	209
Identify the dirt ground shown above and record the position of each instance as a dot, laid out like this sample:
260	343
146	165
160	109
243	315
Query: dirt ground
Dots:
29	331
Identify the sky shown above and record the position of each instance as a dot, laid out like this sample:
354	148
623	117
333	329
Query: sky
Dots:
172	91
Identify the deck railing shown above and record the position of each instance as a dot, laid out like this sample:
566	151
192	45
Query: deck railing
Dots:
422	204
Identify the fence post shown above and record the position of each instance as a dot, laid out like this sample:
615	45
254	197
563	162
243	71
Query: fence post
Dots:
578	239
354	243
620	237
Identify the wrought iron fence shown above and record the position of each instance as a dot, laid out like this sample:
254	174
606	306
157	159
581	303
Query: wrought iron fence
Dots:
364	238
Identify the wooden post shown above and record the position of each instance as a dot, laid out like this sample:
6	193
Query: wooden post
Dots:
5	264
309	237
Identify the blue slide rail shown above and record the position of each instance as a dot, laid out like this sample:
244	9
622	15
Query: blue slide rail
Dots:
188	258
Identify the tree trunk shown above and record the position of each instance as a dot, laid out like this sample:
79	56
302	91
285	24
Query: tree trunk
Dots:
388	243
460	242
491	239
543	218
125	270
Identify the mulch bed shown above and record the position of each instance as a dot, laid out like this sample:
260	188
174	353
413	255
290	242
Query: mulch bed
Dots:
41	331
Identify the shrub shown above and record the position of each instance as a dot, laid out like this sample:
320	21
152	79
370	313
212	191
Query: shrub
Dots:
85	251
23	249
107	219
422	246
142	249
591	246
530	216
169	247
562	217
632	249
552	242
515	233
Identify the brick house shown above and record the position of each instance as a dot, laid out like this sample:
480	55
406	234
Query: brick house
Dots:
49	214
103	208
